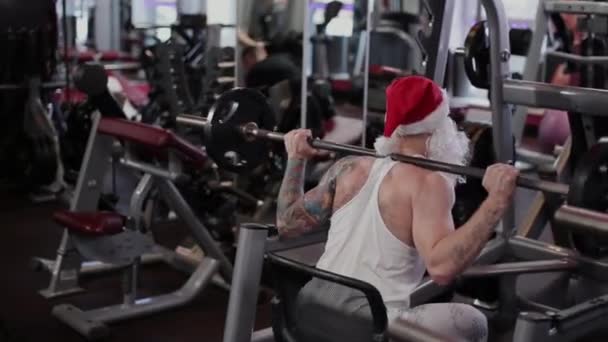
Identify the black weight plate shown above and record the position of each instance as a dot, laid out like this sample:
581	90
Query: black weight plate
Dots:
589	189
91	78
223	141
477	56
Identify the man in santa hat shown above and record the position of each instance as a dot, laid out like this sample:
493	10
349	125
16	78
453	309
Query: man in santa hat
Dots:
389	221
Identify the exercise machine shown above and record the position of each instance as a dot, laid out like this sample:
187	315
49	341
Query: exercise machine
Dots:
124	241
496	260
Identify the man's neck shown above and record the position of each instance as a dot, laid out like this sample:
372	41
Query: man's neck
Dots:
413	145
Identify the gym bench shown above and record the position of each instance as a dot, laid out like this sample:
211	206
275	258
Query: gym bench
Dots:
122	240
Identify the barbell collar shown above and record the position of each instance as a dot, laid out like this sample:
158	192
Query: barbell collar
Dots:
252	131
192	120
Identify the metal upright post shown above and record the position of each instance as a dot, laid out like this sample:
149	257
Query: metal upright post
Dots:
443	48
503	134
237	46
531	66
245	283
96	161
130	278
435	39
368	30
306	63
107	25
501	112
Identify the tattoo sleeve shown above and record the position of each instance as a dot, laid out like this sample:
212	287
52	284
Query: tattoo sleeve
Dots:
298	212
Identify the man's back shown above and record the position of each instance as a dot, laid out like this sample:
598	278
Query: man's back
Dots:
370	233
401	183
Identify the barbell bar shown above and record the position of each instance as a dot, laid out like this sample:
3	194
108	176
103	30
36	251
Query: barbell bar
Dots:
250	131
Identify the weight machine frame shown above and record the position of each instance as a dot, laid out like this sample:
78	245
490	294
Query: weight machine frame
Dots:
68	265
73	249
550	325
585	103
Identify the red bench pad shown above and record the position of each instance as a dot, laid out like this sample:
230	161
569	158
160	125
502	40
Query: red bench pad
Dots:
98	223
152	137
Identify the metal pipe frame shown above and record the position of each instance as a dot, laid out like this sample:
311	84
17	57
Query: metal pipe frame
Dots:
437	44
521	267
531	67
138	201
161	254
586	220
150	169
527	249
571	57
572	99
306	64
246	279
368	38
533	157
526	304
91	323
501	112
566	325
577	7
202	236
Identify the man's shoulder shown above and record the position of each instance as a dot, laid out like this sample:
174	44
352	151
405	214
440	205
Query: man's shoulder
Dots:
353	168
425	180
358	161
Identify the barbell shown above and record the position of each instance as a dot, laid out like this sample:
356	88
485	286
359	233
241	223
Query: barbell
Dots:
241	123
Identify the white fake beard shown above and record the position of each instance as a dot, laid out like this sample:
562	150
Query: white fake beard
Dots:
447	144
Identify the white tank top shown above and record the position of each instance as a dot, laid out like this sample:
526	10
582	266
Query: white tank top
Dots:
359	245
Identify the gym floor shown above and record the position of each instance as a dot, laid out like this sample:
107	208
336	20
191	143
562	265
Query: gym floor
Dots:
25	316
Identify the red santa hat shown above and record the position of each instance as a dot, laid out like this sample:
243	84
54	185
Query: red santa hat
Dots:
414	105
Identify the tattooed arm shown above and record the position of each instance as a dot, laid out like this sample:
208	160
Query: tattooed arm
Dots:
446	252
299	212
